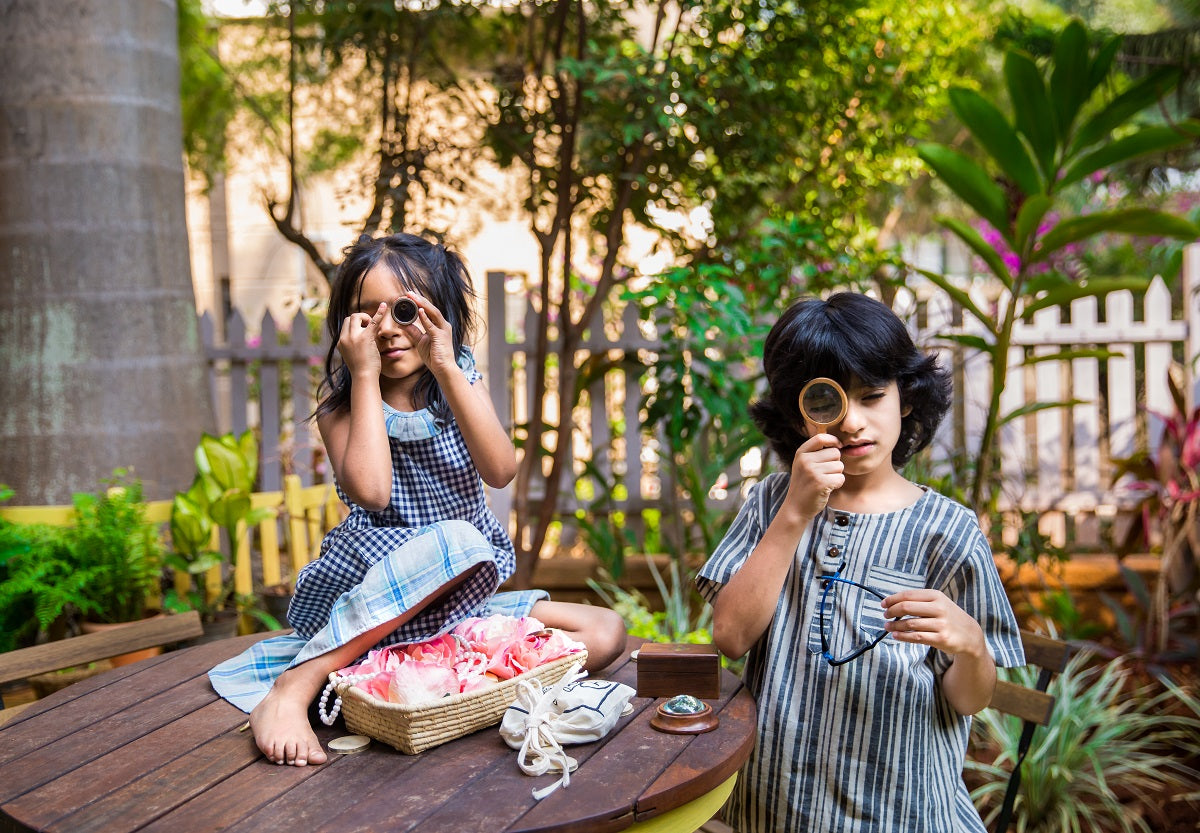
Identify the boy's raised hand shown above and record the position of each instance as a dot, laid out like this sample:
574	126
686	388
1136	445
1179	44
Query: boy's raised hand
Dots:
817	470
931	618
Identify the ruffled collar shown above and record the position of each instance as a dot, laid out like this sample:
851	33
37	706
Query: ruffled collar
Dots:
408	426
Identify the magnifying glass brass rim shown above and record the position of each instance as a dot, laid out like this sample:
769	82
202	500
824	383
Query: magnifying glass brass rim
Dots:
822	380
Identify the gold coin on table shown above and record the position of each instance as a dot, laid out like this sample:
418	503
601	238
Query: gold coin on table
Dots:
349	744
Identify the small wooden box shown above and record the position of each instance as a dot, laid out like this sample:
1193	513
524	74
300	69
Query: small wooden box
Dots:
667	669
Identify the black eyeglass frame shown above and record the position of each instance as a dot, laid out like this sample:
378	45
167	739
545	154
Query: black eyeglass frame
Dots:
827	582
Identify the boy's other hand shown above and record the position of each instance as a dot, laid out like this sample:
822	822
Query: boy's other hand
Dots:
929	617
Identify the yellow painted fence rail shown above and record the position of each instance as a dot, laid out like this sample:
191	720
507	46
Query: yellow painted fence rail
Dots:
300	518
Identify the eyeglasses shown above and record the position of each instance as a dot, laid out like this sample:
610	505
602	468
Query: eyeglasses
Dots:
838	592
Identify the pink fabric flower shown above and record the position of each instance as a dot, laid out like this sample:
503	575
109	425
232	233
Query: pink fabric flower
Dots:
479	652
415	682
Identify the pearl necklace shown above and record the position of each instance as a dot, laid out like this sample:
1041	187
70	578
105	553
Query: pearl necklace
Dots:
350	679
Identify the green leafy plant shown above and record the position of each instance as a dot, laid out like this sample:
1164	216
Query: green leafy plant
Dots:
1065	126
1108	741
102	566
1028	547
39	581
601	524
219	500
1164	621
705	377
683	618
120	550
17	608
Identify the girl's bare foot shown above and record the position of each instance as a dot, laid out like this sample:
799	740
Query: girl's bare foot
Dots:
281	728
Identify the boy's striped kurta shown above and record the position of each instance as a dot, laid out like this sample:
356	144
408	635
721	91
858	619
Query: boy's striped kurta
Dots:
871	745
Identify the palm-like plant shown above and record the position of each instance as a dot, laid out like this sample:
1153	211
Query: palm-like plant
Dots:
1065	126
1107	741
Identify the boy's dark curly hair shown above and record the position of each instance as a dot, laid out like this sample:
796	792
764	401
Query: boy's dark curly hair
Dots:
848	337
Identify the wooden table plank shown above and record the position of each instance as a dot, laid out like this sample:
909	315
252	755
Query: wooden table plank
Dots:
453	779
118	770
84	687
693	773
168	759
331	790
67	712
443	776
165	787
603	795
505	791
101	735
237	801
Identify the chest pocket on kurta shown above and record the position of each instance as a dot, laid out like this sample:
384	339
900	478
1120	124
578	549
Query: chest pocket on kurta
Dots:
884	581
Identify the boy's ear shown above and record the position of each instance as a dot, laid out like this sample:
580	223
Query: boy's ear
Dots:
905	411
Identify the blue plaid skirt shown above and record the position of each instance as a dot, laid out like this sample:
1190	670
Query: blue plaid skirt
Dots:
398	583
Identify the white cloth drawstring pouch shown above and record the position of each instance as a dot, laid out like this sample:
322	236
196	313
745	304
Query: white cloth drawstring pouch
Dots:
543	720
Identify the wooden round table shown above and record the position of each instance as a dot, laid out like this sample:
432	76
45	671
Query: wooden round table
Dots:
150	747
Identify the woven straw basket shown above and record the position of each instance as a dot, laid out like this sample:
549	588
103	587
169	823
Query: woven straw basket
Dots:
413	728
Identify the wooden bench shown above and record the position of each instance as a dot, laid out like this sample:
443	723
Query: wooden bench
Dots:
93	647
1033	705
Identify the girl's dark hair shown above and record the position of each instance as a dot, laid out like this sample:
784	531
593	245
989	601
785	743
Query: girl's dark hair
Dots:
438	274
848	337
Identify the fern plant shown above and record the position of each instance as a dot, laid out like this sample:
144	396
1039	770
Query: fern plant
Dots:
1108	741
39	580
112	540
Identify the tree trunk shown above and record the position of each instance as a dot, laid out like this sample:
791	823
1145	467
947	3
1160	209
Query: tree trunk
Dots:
102	357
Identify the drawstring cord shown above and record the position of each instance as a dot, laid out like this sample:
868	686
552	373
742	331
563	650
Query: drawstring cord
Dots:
540	751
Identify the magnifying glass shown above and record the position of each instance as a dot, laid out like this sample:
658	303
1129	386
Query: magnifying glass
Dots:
404	310
823	402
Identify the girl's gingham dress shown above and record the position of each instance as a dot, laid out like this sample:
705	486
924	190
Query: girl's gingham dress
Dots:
377	565
871	745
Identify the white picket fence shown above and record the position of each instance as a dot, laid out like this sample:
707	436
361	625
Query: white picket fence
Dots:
1056	461
1060	461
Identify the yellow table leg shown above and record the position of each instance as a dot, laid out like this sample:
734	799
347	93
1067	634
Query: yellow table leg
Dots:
689	817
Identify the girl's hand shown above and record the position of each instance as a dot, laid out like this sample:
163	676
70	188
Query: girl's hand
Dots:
816	471
933	619
434	339
358	342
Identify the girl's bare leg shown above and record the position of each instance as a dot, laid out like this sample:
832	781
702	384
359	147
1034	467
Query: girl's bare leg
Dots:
280	722
600	629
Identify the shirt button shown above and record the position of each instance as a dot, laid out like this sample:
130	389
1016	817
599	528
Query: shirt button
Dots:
841	520
834	552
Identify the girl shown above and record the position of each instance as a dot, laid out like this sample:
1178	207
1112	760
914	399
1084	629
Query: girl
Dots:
870	606
412	436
